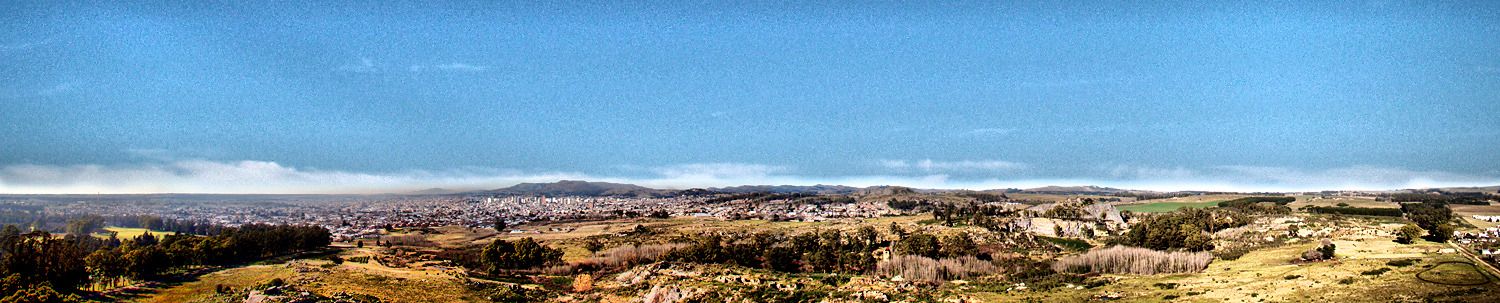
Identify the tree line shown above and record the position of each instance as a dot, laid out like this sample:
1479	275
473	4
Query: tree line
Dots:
41	265
1187	228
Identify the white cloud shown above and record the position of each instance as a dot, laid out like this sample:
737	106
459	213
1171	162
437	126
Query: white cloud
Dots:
990	132
56	89
952	166
1151	173
365	65
461	67
718	170
20	46
450	67
1359	177
206	176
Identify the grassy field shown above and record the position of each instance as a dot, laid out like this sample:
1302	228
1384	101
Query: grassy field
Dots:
202	289
322	277
1467	212
1161	207
128	233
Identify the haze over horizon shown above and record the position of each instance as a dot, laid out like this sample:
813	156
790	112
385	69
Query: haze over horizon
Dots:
353	97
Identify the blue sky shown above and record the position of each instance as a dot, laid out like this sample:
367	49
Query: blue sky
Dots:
359	97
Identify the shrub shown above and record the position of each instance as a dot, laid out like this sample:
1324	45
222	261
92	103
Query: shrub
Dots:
1376	272
1322	252
1347	281
1292	277
1401	263
1408	233
1134	260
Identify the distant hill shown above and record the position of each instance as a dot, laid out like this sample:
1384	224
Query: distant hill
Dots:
787	189
1486	189
886	191
1087	189
433	191
578	188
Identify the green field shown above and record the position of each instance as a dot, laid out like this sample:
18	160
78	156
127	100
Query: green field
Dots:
128	233
1161	207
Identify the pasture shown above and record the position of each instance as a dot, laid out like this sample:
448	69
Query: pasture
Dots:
130	233
1161	207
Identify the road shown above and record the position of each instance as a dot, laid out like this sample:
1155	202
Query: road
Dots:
1494	272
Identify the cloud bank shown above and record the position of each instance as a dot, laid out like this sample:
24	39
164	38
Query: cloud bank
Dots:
248	176
952	166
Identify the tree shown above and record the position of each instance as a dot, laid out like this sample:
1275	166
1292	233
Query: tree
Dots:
593	244
145	262
919	244
523	253
781	258
85	225
106	265
1441	233
1199	241
896	230
958	245
1408	233
499	224
1428	215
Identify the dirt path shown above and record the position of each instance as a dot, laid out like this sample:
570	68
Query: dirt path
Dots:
1493	272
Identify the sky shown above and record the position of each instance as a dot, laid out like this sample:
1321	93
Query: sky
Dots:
357	97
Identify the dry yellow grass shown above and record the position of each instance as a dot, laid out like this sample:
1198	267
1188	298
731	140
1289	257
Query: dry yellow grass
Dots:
1261	276
204	286
130	233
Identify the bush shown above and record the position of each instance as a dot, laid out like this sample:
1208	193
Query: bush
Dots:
1407	234
1322	252
1376	272
1134	260
1292	277
1401	263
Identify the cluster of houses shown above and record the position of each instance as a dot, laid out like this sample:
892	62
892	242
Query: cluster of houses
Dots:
1483	242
